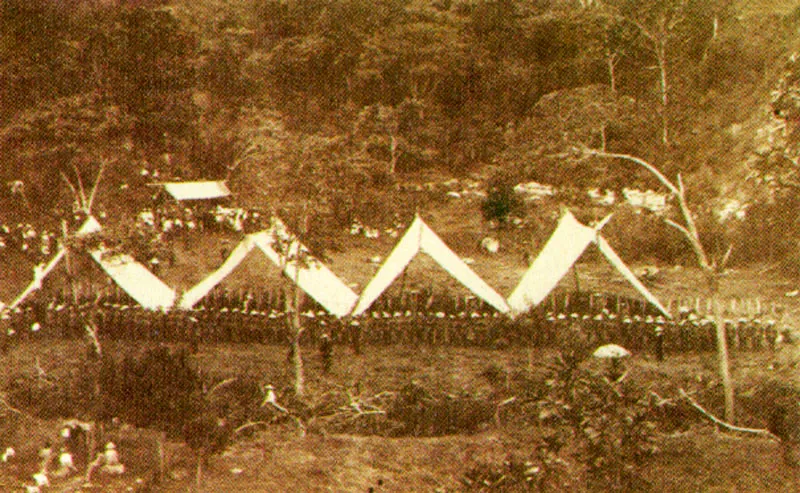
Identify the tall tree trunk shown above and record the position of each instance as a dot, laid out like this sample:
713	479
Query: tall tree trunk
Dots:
661	54
393	150
299	376
722	347
198	473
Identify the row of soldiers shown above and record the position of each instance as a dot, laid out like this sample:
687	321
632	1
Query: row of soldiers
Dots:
657	334
640	333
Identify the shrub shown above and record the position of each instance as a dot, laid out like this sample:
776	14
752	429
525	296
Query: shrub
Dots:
501	200
612	425
159	389
422	414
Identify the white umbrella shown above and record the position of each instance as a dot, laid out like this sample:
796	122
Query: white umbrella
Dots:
612	351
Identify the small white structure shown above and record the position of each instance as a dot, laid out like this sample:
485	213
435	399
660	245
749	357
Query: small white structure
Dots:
534	190
649	199
491	245
197	190
611	351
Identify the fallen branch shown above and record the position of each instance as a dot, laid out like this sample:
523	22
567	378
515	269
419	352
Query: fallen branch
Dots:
506	402
719	422
219	385
249	424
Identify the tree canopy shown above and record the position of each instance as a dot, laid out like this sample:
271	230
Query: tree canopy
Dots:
214	89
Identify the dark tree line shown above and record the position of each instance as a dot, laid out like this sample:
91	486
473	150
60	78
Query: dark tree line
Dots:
225	90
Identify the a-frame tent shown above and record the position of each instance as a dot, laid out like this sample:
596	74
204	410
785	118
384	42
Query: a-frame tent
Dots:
134	278
314	278
419	237
39	274
562	250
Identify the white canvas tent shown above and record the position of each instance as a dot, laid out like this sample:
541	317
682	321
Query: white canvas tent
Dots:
562	250
39	274
134	278
420	237
314	278
197	190
89	226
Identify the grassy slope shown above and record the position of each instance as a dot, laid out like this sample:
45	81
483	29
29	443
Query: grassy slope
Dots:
279	460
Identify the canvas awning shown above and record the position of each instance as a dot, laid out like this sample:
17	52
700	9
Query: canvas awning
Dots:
134	278
197	190
420	237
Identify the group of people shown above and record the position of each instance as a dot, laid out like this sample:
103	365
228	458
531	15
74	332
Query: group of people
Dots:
421	318
171	219
25	238
67	456
656	334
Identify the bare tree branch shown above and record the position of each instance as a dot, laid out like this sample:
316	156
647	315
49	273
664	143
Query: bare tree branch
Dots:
719	422
711	270
641	162
93	193
679	227
726	257
82	195
75	194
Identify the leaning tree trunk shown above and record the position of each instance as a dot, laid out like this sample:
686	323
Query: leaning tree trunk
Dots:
710	269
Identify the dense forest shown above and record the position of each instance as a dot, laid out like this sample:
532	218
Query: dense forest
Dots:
339	101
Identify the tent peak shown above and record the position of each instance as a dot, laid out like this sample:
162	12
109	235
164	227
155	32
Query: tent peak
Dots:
599	226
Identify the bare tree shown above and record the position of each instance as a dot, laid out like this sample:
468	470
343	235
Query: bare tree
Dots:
658	24
712	267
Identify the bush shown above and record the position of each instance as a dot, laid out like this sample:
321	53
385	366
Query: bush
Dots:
421	414
159	389
612	424
501	200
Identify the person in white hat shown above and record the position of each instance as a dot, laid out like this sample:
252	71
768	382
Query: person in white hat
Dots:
66	466
111	463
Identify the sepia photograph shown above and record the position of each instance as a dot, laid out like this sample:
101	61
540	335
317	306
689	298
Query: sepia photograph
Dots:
381	246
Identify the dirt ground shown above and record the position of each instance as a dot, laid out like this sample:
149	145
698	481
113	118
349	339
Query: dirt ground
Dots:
278	458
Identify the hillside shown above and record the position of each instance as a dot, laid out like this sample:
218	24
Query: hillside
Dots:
366	111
